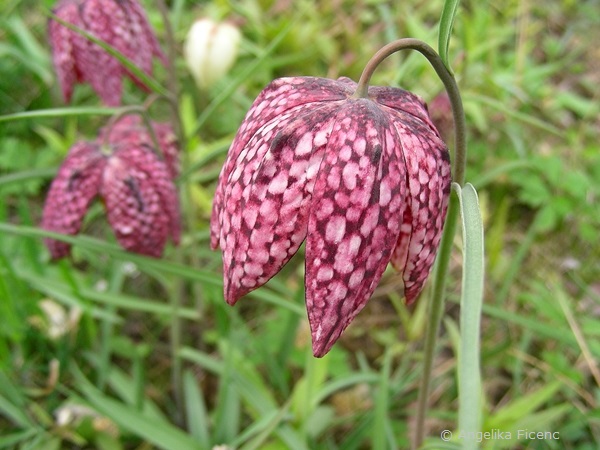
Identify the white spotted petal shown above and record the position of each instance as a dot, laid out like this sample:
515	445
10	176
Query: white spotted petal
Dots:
354	220
428	176
281	96
269	222
365	181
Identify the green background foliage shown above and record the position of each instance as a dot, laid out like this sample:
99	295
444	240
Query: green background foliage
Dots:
154	358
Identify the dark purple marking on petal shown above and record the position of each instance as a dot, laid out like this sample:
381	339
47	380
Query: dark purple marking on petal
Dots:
133	208
401	101
354	220
279	98
270	218
71	192
142	160
428	181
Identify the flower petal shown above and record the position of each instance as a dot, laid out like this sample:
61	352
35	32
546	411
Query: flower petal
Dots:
428	179
63	51
279	97
103	71
133	209
71	192
129	131
354	221
140	22
142	158
267	224
401	101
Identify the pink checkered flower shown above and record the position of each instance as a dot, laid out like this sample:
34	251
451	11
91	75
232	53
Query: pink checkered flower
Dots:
121	24
130	131
365	181
135	184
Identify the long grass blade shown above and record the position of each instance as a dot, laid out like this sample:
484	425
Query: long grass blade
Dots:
158	432
196	414
62	112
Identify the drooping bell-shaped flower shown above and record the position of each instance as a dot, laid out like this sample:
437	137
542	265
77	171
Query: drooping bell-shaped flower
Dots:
210	50
135	184
130	131
365	181
121	24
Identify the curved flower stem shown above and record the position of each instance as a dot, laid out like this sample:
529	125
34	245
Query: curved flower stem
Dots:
436	306
460	148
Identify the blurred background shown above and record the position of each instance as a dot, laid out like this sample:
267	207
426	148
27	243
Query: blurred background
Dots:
113	350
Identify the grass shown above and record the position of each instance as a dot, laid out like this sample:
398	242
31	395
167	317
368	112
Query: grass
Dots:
150	356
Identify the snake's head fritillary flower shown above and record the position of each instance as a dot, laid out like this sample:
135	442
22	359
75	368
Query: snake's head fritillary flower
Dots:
120	23
210	50
130	130
135	184
365	181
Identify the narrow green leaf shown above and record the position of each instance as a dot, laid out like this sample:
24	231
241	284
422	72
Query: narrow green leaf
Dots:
62	112
346	382
511	112
14	414
379	438
446	23
119	300
28	42
228	408
159	432
204	360
145	263
541	329
469	375
124	387
261	430
511	414
196	416
11	440
105	441
305	390
30	53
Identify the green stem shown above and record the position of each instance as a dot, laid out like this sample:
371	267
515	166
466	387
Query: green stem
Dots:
107	329
460	147
172	82
435	312
436	307
177	291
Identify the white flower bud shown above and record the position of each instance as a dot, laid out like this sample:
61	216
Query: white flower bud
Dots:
210	50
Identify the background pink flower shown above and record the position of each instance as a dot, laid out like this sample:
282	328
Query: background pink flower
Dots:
121	24
135	184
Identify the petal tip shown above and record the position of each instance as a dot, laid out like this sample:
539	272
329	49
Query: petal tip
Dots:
324	336
320	350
